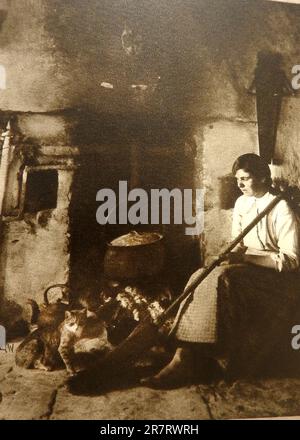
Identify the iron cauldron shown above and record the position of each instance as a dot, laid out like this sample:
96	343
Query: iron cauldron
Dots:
135	255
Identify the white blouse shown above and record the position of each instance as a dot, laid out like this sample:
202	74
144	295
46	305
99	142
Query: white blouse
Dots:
277	234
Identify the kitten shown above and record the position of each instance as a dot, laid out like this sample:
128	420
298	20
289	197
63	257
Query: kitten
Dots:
81	332
40	348
29	351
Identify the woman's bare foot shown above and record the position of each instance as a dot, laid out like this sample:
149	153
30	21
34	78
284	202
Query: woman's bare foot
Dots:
180	371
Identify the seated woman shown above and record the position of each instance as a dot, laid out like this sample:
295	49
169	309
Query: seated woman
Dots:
245	308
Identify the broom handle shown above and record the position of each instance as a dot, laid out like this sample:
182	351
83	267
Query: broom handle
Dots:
160	320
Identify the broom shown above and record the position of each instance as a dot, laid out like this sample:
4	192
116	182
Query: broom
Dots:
144	336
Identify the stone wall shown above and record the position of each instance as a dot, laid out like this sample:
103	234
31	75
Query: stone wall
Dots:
35	246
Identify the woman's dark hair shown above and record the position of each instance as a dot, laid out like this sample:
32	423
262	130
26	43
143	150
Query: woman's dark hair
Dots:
253	164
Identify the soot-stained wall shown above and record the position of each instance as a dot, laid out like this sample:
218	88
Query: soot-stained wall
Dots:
198	55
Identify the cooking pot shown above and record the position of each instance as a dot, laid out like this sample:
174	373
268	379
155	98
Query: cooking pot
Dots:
135	255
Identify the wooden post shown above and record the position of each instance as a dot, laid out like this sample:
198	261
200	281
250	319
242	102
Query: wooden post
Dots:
4	165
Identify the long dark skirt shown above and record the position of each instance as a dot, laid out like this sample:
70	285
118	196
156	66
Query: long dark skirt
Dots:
247	312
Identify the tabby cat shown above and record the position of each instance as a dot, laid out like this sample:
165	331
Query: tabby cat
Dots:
61	338
81	332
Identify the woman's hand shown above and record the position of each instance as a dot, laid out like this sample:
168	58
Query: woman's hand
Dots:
238	258
232	258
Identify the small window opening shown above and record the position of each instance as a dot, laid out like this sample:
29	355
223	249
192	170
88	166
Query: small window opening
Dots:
41	191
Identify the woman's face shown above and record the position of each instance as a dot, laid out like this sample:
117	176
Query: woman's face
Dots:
249	184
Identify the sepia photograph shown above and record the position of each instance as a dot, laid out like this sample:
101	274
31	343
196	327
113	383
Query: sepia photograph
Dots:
149	212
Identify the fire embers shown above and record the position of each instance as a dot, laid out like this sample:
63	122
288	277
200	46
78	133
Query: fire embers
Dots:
131	304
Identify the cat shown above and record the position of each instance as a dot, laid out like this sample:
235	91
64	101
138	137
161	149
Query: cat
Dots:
82	332
63	338
39	348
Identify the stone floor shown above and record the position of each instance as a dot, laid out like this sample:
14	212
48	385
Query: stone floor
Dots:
33	394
